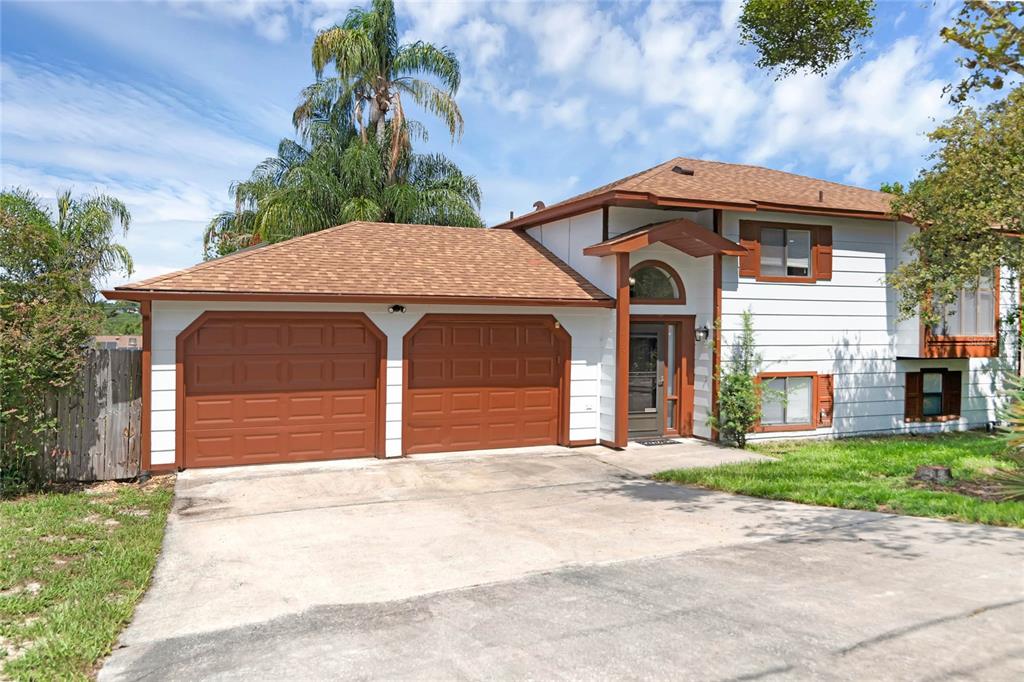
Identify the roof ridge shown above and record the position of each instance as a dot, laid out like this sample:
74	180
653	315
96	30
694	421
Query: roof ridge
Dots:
232	257
783	172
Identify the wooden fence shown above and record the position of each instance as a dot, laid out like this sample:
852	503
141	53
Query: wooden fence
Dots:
99	421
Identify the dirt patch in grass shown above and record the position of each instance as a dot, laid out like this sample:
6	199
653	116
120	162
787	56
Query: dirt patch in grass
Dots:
982	489
76	561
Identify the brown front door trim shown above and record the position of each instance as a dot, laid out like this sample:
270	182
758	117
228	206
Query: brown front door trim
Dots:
682	384
565	351
179	366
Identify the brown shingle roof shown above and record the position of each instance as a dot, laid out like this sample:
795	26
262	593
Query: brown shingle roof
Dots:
382	259
714	182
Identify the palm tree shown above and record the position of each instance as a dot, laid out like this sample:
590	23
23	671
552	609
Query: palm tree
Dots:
336	178
79	244
373	72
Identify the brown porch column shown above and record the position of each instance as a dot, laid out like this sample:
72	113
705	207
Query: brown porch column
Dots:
621	350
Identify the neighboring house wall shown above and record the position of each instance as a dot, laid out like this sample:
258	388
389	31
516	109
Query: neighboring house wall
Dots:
848	327
589	329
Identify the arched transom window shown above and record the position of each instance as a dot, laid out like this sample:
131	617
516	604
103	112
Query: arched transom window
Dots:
655	282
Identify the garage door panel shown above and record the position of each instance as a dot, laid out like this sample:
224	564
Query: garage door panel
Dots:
467	338
213	412
213	337
503	401
466	402
482	384
258	372
541	399
314	398
310	337
504	369
210	373
261	337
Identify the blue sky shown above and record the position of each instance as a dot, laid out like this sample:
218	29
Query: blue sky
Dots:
164	104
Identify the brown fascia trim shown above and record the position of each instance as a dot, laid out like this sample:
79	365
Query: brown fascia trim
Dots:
837	212
152	295
617	198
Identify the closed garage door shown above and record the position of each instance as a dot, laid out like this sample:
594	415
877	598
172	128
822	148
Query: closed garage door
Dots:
262	388
483	382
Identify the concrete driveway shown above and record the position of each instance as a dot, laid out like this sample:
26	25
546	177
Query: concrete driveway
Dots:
552	564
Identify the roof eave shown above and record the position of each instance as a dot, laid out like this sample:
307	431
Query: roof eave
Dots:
617	198
163	295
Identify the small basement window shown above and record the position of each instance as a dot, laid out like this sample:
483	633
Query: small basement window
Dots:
787	401
932	395
655	282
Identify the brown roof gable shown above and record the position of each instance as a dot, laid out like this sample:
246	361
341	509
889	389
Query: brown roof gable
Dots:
384	261
714	184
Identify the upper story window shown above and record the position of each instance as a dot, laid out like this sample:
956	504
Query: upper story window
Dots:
784	252
973	314
655	282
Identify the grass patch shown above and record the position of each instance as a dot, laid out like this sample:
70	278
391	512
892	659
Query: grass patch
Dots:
72	567
870	473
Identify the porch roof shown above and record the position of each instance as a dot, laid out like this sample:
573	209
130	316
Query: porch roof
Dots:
682	234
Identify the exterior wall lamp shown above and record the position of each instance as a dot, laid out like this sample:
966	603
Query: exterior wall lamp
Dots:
396	308
702	334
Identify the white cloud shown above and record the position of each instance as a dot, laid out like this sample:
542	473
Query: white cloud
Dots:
144	145
569	113
268	18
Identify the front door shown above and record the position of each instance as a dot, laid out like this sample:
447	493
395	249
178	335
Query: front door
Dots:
647	371
661	377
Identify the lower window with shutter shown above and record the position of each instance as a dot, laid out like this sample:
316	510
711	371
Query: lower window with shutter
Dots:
794	401
932	395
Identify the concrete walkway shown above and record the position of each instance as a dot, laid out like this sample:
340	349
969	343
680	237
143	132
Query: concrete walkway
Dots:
560	564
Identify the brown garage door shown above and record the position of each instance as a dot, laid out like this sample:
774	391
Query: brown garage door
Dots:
483	382
274	387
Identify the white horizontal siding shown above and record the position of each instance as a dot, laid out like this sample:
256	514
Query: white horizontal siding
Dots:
847	327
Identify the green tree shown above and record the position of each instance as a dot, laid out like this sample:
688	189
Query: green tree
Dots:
1012	480
993	35
372	72
335	179
49	270
805	35
353	159
739	396
968	201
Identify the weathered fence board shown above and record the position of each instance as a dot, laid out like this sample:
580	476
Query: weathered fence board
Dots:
99	420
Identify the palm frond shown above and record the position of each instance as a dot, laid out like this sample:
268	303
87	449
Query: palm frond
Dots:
425	58
436	101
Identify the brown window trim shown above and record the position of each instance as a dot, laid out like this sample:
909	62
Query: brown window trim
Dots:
681	300
821	251
949	388
817	419
953	346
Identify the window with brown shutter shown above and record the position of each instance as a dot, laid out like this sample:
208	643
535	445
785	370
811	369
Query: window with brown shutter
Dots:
795	401
933	394
785	252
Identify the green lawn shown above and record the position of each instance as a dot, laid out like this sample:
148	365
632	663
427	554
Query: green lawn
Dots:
72	567
873	474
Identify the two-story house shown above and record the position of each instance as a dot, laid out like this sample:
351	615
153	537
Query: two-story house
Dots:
599	319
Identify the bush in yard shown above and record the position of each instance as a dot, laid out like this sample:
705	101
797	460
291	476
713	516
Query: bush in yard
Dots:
739	399
1012	482
48	274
